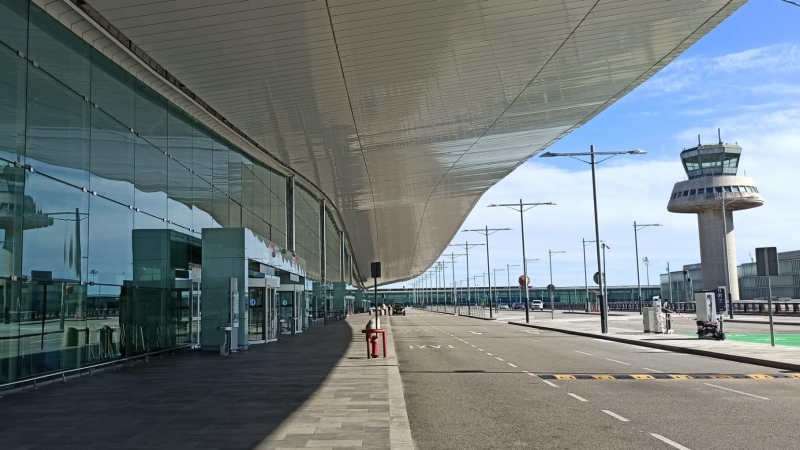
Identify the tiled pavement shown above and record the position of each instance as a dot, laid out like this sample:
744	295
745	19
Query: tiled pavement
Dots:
316	390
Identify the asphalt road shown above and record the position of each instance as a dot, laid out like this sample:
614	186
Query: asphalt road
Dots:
475	384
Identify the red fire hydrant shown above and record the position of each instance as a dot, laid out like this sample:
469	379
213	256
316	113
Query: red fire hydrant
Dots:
372	331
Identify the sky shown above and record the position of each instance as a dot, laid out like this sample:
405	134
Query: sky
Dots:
744	78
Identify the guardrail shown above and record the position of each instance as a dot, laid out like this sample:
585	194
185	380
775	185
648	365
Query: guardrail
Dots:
743	307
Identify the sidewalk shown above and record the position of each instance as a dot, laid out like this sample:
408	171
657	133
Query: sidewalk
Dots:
781	357
314	390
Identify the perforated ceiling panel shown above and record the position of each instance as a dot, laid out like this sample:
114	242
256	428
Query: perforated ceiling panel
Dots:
404	112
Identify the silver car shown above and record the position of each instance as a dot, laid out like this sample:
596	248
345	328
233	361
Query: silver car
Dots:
537	304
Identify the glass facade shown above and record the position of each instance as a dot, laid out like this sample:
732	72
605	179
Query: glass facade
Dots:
507	296
105	188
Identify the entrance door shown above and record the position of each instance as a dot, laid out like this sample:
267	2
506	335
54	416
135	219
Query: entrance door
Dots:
287	312
194	307
257	317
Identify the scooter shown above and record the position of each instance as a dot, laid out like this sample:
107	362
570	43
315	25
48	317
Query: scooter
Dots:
710	330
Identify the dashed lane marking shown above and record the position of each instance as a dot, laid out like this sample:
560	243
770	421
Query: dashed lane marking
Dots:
615	415
512	365
548	383
669	441
663	376
480	349
499	359
652	370
734	390
488	353
582	353
619	362
577	397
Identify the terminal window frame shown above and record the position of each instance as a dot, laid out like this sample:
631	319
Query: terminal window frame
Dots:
685	193
692	192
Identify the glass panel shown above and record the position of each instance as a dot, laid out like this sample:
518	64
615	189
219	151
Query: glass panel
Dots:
179	201
151	117
112	158
692	192
235	176
112	89
180	136
14	25
220	169
58	130
201	204
202	154
111	227
59	52
151	179
727	189
12	101
56	234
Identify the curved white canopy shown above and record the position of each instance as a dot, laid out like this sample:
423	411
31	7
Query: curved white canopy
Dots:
403	112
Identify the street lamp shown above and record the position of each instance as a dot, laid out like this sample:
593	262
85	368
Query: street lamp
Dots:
522	207
593	162
603	275
585	275
636	228
466	246
552	308
486	231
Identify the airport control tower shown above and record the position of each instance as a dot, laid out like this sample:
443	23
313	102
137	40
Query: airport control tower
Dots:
713	191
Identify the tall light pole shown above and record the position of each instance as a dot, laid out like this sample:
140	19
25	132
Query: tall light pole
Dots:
585	275
636	228
453	268
552	308
486	231
466	246
603	275
593	162
522	207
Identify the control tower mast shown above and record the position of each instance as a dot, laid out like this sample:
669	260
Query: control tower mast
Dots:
713	187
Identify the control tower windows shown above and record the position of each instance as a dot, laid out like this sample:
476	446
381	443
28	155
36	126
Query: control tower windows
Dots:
727	189
692	192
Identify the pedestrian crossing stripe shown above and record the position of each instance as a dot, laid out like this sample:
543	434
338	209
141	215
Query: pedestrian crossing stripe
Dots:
667	376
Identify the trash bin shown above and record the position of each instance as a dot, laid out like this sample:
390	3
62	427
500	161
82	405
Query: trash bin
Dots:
225	346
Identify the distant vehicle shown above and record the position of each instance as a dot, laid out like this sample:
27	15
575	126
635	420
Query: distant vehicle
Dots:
517	306
398	308
504	306
537	304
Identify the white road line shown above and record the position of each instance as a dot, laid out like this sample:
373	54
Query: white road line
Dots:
615	415
471	345
652	370
548	383
488	353
465	342
582	353
669	441
578	397
512	365
531	374
480	349
536	340
410	346
738	392
499	359
525	371
614	360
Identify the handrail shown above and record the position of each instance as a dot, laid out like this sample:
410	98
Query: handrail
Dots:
63	373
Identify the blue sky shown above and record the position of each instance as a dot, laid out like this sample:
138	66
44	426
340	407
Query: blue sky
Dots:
743	77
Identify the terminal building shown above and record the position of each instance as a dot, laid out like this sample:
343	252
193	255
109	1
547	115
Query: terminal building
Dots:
170	166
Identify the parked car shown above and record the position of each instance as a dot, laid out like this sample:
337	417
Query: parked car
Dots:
398	308
537	304
518	306
504	306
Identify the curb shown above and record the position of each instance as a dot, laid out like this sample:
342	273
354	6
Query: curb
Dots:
399	426
760	322
672	348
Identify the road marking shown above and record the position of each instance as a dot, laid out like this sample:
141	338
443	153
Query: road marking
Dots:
620	362
738	392
578	397
615	415
450	346
410	346
536	340
548	383
465	342
474	332
525	371
480	349
488	353
498	358
512	365
669	441
582	353
652	370
471	345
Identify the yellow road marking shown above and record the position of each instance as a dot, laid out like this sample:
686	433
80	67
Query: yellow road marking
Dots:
642	377
681	377
759	376
603	377
565	377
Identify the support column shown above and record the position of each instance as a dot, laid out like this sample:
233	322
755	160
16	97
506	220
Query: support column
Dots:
712	250
290	215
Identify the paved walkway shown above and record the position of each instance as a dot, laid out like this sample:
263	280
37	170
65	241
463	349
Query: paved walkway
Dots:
315	390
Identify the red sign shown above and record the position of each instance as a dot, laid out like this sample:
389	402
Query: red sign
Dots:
523	279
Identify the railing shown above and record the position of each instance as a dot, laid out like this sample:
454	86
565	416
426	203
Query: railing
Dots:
70	373
744	307
461	310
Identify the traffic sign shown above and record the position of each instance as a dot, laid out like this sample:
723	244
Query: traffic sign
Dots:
551	288
596	278
285	302
522	280
252	302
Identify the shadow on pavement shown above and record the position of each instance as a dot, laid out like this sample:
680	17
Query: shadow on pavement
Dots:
189	401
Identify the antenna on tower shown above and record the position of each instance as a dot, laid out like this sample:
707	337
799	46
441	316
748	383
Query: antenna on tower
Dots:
751	257
719	135
698	140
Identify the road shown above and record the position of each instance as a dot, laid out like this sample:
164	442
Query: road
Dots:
475	384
